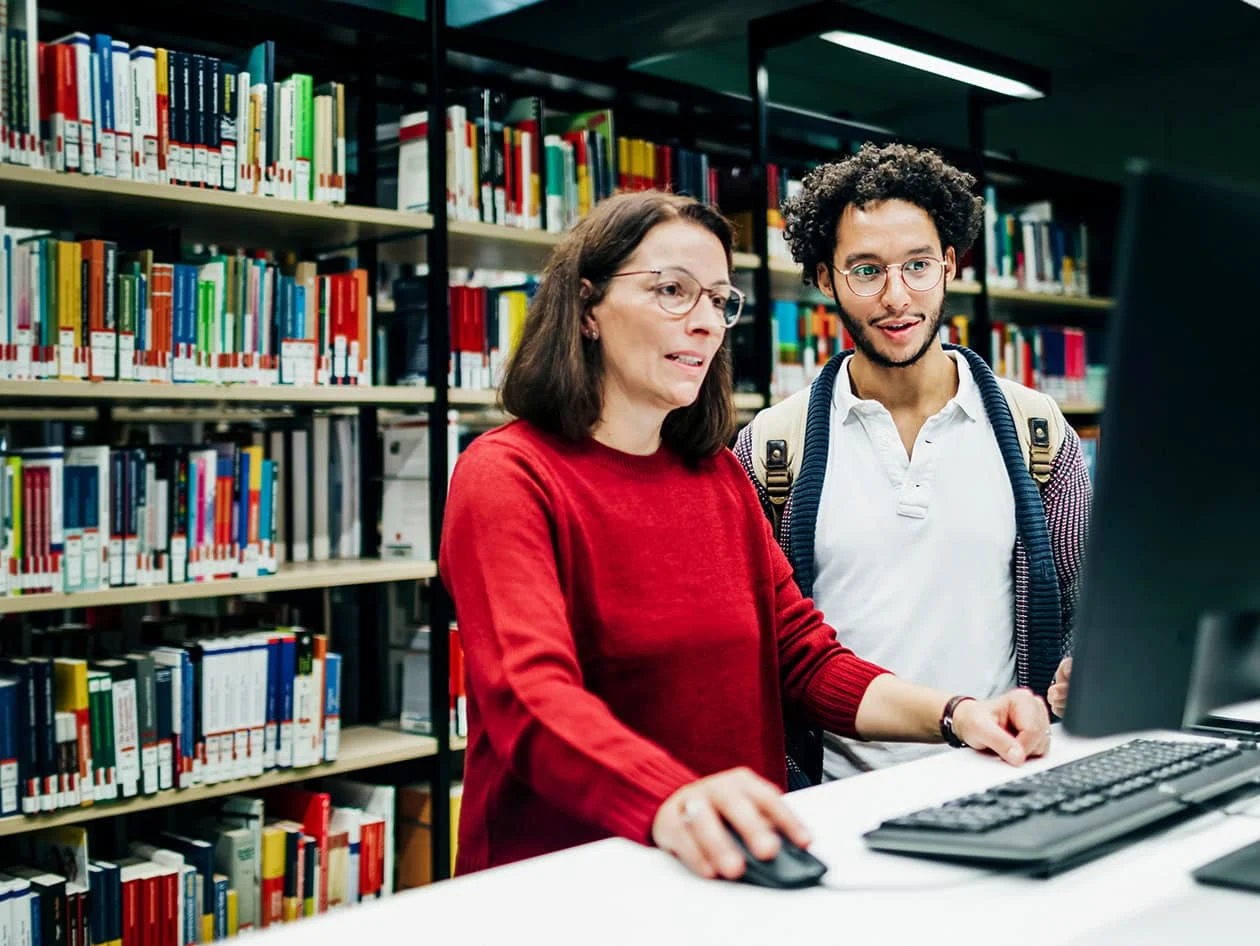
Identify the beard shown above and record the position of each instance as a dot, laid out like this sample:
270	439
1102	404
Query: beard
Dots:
862	341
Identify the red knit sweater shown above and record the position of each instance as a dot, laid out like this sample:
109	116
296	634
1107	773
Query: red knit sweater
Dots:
628	625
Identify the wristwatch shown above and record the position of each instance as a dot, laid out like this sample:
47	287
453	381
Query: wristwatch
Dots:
947	722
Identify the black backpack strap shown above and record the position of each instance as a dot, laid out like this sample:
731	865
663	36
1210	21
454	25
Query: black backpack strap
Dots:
778	482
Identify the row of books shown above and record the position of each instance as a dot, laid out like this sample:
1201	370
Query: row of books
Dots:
238	864
99	105
1065	362
487	314
79	732
510	162
1028	248
416	710
84	310
84	518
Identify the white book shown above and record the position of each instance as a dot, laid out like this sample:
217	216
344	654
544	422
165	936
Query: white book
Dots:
245	183
257	691
125	151
413	162
19	903
320	445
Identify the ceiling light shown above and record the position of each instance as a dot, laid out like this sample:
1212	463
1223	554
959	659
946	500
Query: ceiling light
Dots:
935	64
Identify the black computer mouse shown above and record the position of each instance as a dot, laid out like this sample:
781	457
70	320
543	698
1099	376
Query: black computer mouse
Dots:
792	868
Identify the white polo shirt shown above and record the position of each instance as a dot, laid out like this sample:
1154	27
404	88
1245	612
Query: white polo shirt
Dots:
913	555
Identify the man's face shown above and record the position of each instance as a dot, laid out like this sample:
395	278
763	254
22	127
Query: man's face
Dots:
894	316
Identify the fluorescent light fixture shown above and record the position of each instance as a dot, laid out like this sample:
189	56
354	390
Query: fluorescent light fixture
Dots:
934	64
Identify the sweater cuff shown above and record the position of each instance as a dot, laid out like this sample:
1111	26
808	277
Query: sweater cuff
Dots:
837	691
645	789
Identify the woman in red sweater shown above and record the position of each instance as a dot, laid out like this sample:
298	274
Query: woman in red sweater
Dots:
631	630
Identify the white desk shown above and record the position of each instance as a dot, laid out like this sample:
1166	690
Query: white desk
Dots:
616	892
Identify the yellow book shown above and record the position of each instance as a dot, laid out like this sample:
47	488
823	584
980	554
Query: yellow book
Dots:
163	89
71	685
207	928
272	875
231	912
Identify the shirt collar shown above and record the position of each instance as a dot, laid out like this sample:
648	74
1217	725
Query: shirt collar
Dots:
967	398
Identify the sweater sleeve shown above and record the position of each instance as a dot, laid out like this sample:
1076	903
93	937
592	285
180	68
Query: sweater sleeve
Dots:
499	563
820	675
1068	498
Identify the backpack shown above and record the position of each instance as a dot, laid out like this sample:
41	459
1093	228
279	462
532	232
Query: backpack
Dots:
778	436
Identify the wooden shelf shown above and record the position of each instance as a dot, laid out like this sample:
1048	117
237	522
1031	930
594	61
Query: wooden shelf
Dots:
1080	407
749	402
1047	299
746	260
491	246
472	396
134	391
362	747
48	199
291	577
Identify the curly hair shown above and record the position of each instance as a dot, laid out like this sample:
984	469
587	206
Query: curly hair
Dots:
892	172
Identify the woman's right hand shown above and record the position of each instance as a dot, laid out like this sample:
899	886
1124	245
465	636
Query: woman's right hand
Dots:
690	824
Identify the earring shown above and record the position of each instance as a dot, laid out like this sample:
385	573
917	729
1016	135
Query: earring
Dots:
592	334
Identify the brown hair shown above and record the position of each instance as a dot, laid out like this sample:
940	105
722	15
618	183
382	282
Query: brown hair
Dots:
554	378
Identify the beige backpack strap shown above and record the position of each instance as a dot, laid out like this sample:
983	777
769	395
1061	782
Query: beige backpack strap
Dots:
778	439
1040	425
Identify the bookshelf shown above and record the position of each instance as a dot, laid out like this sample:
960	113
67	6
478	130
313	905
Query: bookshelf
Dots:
132	392
289	577
362	747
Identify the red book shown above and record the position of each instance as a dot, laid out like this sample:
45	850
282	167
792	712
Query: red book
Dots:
313	811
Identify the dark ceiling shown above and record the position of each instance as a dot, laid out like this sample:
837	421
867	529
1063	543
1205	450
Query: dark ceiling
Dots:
1161	79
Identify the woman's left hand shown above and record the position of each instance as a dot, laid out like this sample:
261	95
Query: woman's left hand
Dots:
1015	725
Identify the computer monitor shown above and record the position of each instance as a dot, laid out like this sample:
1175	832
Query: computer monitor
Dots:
1166	624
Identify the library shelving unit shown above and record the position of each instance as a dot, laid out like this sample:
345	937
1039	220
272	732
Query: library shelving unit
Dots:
330	40
390	61
794	136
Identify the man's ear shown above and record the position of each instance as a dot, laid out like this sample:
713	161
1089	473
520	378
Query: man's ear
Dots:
822	276
951	264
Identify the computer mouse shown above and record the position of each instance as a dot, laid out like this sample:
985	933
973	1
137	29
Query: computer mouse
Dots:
792	868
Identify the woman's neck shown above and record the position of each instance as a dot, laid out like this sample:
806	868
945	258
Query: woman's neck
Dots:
630	429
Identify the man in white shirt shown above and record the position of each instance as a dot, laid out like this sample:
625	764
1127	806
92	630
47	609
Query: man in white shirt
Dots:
914	522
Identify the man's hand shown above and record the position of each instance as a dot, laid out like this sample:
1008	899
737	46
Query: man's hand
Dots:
1058	692
1016	725
690	823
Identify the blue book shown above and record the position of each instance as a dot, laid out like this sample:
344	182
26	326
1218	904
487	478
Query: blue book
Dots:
10	726
332	705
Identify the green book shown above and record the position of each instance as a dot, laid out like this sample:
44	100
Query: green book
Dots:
303	136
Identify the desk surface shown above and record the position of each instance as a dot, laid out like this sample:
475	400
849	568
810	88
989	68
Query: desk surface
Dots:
618	892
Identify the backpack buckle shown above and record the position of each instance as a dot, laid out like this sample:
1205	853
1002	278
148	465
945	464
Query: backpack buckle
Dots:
778	482
1039	449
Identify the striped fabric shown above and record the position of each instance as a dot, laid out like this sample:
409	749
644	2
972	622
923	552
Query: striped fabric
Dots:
1050	530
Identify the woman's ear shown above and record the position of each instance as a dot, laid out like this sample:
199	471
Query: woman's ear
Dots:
589	330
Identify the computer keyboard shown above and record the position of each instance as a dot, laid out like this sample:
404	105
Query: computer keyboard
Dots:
1064	815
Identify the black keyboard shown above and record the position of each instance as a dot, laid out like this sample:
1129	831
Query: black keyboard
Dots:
1073	812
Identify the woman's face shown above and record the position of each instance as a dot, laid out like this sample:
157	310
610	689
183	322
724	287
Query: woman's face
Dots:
656	352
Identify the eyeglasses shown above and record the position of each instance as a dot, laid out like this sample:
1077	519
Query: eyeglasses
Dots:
677	292
920	274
